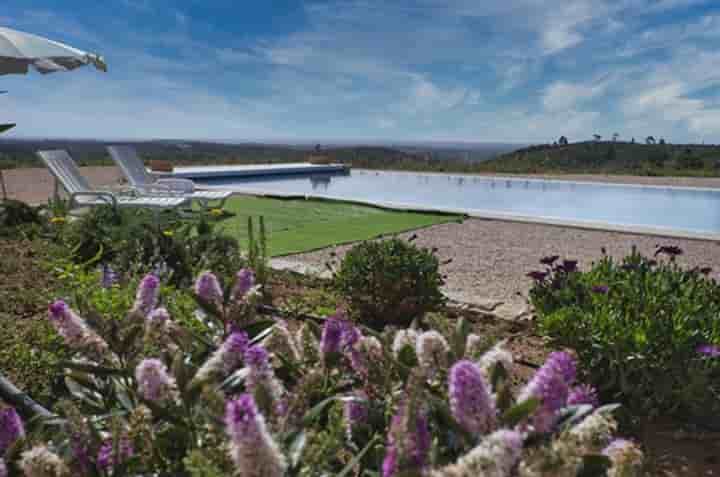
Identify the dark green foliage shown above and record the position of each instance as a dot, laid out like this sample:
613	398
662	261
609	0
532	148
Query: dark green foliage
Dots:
14	213
390	282
652	159
636	326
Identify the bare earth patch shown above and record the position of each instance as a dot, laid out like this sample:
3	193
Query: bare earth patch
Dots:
36	185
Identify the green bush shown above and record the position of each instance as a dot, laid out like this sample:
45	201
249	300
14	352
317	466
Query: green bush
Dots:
19	219
637	326
390	282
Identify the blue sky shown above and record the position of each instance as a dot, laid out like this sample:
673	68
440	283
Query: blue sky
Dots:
460	70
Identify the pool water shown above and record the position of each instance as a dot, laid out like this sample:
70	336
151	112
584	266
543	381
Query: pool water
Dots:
691	210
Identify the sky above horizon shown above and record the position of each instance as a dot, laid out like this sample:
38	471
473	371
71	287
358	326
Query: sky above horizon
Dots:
454	70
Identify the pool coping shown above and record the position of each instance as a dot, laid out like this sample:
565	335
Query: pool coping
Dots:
553	180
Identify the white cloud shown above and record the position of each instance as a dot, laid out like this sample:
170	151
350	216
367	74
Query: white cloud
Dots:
563	96
385	123
428	97
561	30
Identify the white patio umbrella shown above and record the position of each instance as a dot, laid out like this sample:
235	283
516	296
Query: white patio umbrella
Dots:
19	51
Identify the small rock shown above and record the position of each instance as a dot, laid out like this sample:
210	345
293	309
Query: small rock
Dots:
512	311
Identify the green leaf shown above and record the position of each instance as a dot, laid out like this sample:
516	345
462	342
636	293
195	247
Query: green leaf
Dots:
499	375
256	328
93	369
462	330
521	411
296	448
594	466
358	457
573	414
317	410
407	356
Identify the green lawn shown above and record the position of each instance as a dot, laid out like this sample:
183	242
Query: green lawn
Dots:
295	226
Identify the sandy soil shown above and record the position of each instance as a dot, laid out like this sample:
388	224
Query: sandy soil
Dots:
36	185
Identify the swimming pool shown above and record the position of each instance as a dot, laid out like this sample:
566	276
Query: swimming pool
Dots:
680	211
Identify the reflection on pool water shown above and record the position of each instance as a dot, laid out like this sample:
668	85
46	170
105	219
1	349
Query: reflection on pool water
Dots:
680	209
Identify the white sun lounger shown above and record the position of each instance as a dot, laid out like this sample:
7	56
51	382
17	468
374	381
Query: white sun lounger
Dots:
63	167
139	178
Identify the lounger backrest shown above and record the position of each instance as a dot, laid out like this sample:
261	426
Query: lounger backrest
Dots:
65	170
130	163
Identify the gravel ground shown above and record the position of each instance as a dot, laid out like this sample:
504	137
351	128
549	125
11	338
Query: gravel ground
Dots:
490	258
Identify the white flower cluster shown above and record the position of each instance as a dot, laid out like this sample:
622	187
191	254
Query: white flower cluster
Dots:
280	341
41	462
496	456
496	355
432	352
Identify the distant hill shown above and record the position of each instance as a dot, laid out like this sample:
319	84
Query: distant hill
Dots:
604	157
431	157
610	158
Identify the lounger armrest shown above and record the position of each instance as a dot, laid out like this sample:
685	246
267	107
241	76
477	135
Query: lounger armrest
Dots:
105	196
156	190
181	185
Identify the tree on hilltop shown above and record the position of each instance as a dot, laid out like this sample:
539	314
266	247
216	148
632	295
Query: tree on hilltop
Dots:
597	137
650	140
563	141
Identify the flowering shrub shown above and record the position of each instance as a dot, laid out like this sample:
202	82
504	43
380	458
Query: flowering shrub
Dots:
390	282
637	326
136	242
259	398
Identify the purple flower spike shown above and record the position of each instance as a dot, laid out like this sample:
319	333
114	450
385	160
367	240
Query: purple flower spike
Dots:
408	443
537	275
332	336
600	289
565	364
583	394
235	346
471	403
11	428
207	287
154	382
147	295
550	385
107	460
712	351
261	376
252	449
549	260
244	281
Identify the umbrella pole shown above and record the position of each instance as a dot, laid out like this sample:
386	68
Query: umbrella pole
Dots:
2	185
